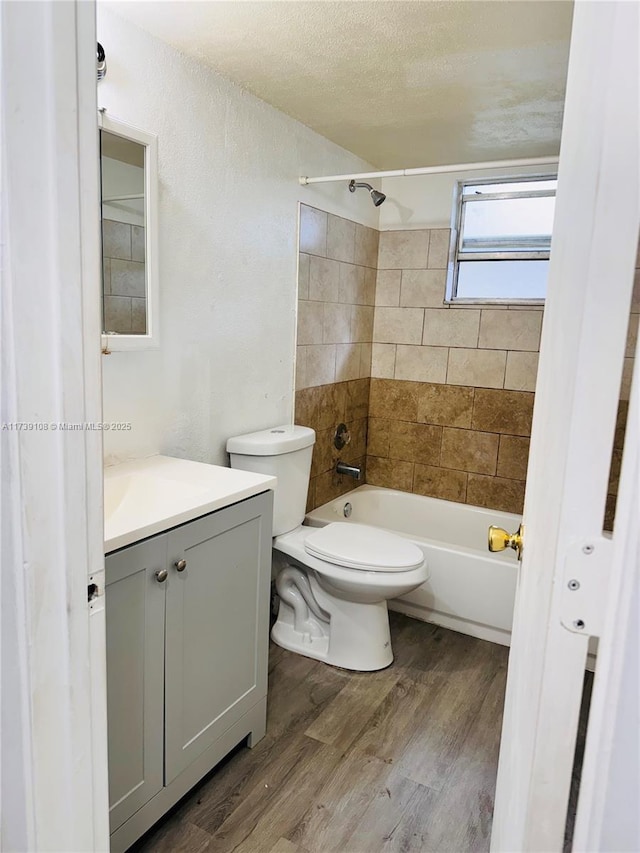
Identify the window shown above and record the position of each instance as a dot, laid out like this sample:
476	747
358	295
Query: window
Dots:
503	240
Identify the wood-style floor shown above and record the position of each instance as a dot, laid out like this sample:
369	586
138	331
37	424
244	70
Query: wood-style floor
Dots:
399	760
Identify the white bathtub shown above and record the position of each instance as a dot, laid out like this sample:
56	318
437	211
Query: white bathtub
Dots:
469	589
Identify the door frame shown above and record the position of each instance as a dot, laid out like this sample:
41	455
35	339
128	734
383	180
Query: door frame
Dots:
54	794
593	254
54	717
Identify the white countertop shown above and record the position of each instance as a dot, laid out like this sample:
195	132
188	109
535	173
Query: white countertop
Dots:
150	495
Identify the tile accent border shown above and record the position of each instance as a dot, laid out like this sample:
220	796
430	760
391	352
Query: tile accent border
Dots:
458	443
322	408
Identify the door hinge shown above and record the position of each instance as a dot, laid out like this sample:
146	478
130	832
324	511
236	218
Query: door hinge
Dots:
95	591
586	569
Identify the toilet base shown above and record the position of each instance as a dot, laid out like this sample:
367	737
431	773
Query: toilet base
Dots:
341	633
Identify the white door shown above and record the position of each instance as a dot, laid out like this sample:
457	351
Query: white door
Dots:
581	364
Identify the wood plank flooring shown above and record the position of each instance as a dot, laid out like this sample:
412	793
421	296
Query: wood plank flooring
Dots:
390	762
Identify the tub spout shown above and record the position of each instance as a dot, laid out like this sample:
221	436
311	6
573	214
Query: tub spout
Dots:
354	471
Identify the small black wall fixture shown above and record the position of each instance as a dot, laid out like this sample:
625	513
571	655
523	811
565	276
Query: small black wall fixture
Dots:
101	60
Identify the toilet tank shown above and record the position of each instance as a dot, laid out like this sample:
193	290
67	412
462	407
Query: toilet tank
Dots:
283	452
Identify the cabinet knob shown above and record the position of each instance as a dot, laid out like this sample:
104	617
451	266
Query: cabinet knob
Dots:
161	575
180	565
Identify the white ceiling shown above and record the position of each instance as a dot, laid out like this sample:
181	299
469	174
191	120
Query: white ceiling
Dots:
400	84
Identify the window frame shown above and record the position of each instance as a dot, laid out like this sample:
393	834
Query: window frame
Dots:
451	297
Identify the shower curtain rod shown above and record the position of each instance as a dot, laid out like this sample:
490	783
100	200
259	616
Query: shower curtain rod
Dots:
434	170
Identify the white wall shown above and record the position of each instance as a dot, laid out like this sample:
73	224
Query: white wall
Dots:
426	201
120	178
229	195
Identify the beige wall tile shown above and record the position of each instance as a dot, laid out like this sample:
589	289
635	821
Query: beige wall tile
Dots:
138	316
347	362
614	472
468	450
521	372
398	325
313	230
330	486
369	286
393	400
330	405
357	399
415	442
513	330
388	287
450	328
366	246
441	483
632	335
301	364
495	493
306	402
621	424
439	240
358	445
365	361
479	368
116	239
400	250
513	457
303	276
324	279
106	275
383	361
352	289
423	288
378	437
421	364
320	366
362	323
635	296
138	243
627	375
127	278
610	512
322	459
389	473
337	323
448	405
503	411
117	314
310	322
341	239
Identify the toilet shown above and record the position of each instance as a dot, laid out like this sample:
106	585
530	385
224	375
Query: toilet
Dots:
336	579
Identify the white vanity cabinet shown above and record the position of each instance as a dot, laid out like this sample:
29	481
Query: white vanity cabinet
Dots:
187	615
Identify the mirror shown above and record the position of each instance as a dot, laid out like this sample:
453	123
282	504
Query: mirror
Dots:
128	178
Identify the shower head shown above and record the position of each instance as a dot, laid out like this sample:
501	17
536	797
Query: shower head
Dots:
376	197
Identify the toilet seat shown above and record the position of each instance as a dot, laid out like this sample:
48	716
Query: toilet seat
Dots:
361	547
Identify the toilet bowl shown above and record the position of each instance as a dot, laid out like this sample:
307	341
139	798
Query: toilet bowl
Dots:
334	607
337	579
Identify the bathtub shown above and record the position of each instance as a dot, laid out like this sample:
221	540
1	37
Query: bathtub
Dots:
469	589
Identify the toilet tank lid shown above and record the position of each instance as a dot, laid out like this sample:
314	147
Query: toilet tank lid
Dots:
272	442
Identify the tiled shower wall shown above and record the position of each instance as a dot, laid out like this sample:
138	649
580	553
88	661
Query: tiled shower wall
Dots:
452	388
336	294
123	263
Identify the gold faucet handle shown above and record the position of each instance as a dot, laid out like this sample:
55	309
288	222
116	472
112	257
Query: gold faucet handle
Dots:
500	539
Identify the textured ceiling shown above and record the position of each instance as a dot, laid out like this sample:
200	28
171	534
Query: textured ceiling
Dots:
400	84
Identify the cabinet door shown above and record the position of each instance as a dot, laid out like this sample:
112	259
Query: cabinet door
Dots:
217	626
135	603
